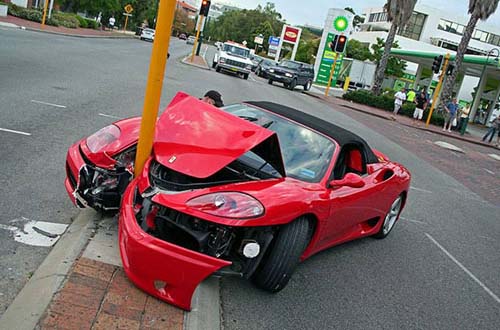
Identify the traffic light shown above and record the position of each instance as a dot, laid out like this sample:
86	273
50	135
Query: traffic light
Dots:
436	65
449	70
333	42
341	43
205	6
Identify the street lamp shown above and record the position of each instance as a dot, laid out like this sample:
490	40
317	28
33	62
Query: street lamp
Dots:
490	52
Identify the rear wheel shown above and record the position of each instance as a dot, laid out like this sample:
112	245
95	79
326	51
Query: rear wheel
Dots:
292	84
285	251
307	86
391	218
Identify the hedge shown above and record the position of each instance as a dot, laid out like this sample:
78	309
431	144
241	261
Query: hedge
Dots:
58	18
386	102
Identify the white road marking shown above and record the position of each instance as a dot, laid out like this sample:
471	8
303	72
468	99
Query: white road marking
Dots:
51	104
416	221
494	156
12	131
421	190
35	233
491	172
448	146
252	78
468	272
205	52
109	116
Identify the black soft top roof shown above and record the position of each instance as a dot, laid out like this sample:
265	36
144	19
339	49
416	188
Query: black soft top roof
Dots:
342	136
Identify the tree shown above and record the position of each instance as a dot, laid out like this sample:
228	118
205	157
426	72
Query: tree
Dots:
398	12
395	66
357	19
307	50
357	50
479	10
182	22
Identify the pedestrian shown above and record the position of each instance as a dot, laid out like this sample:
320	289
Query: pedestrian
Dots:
495	125
410	96
111	22
399	98
420	105
214	98
451	112
464	117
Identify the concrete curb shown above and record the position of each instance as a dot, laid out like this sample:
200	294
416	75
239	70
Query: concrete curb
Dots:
30	304
205	312
185	61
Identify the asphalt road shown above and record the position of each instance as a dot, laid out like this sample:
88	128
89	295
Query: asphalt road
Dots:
439	269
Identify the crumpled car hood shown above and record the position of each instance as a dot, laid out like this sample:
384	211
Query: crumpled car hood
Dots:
197	139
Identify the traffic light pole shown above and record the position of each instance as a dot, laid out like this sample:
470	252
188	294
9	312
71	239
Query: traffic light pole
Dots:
438	88
154	85
327	90
198	30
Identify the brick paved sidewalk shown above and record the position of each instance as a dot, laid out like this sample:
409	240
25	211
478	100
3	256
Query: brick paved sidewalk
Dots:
98	295
64	30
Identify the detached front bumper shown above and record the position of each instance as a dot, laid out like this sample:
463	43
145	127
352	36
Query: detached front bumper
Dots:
164	270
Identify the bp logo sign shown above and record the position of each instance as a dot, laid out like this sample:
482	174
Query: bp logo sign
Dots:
340	23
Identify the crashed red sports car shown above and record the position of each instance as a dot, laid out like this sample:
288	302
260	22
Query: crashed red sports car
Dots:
250	189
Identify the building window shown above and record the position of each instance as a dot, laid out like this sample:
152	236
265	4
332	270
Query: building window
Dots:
451	27
414	28
378	17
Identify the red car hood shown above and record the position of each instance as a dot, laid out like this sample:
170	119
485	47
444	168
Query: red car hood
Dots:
197	139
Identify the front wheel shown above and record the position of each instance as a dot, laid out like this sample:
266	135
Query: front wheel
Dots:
292	84
391	218
283	257
245	76
217	69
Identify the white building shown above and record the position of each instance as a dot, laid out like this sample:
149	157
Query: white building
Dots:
434	30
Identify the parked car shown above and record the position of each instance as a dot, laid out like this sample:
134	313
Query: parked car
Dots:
250	189
233	57
148	34
291	74
182	36
255	61
190	40
263	67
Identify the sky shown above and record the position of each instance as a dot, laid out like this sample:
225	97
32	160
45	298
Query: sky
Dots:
315	13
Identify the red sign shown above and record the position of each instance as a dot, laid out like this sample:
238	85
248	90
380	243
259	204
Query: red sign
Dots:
291	34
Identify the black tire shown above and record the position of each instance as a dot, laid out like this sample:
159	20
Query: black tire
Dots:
217	69
308	85
292	84
392	214
283	257
245	76
270	81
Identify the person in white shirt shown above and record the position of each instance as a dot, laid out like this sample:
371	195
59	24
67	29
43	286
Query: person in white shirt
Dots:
111	22
399	98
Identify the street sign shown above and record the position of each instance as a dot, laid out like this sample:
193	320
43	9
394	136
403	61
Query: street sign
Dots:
128	8
274	41
125	14
258	40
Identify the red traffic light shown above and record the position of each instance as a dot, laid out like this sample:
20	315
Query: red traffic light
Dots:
341	44
205	6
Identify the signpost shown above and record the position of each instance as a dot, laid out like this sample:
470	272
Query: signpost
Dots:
274	43
291	35
128	9
325	72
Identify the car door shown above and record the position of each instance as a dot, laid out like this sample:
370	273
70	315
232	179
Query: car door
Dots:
353	211
301	75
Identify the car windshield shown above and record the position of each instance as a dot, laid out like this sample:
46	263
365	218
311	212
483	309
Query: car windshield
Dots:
267	62
149	30
234	50
290	64
306	154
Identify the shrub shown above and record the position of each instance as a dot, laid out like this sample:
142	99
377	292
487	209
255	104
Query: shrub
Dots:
82	22
66	20
386	102
91	24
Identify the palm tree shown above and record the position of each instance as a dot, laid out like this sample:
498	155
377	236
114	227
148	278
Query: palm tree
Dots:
399	13
479	10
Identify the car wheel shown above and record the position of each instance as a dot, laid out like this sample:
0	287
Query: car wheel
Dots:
270	81
292	84
283	256
307	86
245	76
217	69
391	218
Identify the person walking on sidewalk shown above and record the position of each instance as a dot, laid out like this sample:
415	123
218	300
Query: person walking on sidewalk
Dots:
399	98
464	116
495	125
451	111
420	105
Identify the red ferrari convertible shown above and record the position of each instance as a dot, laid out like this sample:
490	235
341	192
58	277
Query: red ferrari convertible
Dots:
250	189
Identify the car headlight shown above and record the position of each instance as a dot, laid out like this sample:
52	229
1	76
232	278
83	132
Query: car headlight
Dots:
222	60
102	138
228	205
289	75
271	70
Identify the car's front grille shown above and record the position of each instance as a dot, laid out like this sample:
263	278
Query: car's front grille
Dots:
235	63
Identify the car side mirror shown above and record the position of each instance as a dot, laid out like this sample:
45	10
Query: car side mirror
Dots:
350	180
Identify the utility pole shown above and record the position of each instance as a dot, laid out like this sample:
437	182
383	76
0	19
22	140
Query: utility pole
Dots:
45	5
